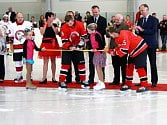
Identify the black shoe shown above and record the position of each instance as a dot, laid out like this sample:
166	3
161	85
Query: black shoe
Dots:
18	80
78	81
85	84
123	83
54	81
90	82
1	80
163	48
154	85
43	82
142	89
125	88
62	85
114	83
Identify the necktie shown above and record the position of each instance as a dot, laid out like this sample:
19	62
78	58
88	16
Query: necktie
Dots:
95	20
144	21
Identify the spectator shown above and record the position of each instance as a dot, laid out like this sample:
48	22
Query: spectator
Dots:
41	21
77	16
2	53
88	15
163	31
157	33
112	21
34	23
128	22
57	21
138	16
147	28
6	23
11	14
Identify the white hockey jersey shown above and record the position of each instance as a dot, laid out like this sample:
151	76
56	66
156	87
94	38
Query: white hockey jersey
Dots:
6	26
17	32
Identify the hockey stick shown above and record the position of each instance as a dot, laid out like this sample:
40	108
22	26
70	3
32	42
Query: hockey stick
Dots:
86	50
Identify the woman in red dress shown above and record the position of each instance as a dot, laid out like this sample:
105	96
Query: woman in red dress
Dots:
129	22
49	41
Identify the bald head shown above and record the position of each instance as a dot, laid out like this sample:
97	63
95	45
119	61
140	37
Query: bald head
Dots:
19	17
119	19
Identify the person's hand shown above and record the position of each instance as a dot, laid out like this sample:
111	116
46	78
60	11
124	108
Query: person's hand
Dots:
106	49
112	52
160	25
72	48
86	40
94	50
11	48
139	28
43	49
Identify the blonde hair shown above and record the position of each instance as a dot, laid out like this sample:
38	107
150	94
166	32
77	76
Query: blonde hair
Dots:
92	26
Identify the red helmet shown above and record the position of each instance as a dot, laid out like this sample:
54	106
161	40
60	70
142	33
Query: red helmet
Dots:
75	37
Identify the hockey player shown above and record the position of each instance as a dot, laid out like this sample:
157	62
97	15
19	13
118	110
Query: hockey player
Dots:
17	39
135	47
6	24
72	35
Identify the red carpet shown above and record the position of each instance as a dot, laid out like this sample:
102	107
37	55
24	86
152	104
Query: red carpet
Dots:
10	83
164	51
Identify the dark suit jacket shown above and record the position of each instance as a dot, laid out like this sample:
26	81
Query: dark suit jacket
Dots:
150	31
12	16
101	25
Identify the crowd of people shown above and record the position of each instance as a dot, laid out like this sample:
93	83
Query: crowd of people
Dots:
129	45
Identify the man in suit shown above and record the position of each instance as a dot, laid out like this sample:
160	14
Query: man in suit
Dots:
101	28
147	28
11	14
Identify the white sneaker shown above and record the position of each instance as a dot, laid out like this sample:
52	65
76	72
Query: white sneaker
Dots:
99	86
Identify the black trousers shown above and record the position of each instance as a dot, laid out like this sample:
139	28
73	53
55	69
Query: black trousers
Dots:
2	67
151	52
75	57
69	74
92	68
119	63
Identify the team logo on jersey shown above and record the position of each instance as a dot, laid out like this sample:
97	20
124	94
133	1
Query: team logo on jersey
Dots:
19	35
62	34
74	37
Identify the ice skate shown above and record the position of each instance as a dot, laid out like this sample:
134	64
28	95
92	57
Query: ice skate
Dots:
62	86
125	88
85	85
142	89
99	86
31	86
18	80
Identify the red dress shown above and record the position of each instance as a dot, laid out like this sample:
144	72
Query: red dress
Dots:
49	41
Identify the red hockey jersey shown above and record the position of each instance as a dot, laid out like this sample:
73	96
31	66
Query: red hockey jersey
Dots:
71	35
129	43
